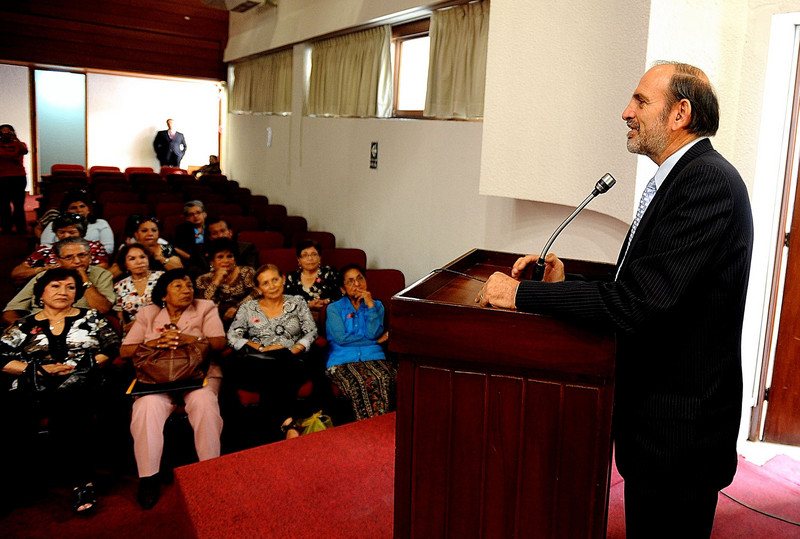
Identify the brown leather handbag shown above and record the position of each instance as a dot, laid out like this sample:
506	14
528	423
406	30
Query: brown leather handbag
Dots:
163	365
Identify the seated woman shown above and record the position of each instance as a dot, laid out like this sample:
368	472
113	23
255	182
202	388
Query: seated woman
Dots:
271	334
57	351
227	284
174	305
356	361
78	201
146	231
66	225
135	289
315	283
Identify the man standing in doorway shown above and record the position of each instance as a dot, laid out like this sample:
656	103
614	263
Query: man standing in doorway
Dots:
676	302
170	145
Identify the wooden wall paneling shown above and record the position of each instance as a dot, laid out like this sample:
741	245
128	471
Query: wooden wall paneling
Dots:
145	37
501	455
429	484
466	489
542	416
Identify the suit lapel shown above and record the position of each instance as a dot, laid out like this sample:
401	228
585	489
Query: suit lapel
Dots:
694	152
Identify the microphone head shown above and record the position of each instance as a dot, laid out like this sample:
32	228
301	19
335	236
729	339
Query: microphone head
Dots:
605	183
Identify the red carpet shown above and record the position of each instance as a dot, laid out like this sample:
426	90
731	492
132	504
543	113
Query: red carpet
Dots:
335	483
773	488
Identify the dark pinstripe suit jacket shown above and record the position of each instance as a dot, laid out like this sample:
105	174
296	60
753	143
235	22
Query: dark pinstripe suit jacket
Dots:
677	308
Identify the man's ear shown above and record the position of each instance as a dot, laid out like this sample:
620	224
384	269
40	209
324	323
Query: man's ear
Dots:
681	115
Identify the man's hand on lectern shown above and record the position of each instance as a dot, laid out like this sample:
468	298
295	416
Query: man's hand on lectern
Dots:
500	290
553	267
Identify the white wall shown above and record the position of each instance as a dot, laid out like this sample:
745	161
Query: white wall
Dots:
15	104
124	113
555	93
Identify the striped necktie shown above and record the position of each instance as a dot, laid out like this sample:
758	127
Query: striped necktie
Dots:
647	196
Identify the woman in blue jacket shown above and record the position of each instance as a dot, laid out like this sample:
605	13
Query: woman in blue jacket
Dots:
356	361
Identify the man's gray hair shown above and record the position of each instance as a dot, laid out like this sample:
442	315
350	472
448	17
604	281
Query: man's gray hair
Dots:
191	204
59	245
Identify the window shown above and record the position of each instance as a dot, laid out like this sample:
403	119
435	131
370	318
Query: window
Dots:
410	54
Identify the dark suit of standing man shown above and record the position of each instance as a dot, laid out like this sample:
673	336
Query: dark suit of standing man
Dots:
676	303
170	145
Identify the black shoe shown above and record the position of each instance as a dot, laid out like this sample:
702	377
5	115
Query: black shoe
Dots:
84	496
149	491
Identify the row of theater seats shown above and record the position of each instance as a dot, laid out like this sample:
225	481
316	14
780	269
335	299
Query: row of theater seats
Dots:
117	195
274	233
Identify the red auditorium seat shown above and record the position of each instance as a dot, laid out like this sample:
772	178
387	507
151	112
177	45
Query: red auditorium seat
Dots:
138	178
385	283
290	225
123	208
167	209
262	239
222	208
270	216
217	198
166	171
243	223
285	259
99	169
340	257
134	170
101	178
113	195
326	240
169	224
67	169
153	199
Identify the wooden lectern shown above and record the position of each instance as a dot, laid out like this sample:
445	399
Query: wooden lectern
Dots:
503	418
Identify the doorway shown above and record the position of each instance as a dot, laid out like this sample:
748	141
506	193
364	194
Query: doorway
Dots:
60	105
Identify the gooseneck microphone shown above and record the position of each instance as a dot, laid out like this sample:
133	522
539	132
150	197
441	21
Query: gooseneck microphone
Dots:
603	184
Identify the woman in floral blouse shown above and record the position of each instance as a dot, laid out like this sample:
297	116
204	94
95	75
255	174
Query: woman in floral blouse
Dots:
312	281
135	290
52	359
272	335
227	284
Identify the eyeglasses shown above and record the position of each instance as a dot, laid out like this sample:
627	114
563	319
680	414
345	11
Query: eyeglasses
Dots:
79	256
354	280
309	255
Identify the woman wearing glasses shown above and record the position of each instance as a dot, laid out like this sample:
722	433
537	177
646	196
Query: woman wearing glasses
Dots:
356	361
315	283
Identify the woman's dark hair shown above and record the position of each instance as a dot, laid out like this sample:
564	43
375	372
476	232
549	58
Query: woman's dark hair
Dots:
345	269
9	126
125	249
266	267
57	274
160	289
70	219
77	195
220	245
135	220
305	244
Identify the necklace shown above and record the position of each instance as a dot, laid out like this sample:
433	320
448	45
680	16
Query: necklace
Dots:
147	276
54	325
173	318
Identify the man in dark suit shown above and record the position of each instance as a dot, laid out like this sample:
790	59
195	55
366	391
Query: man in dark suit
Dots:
170	145
676	302
190	238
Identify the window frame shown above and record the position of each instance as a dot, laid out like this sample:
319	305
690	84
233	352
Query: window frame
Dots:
401	33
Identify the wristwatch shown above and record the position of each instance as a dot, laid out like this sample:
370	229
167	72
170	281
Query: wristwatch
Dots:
87	284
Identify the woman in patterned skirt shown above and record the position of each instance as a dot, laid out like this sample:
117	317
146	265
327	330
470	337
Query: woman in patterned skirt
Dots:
356	361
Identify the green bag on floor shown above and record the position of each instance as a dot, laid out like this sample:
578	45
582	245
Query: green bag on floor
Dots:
316	423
